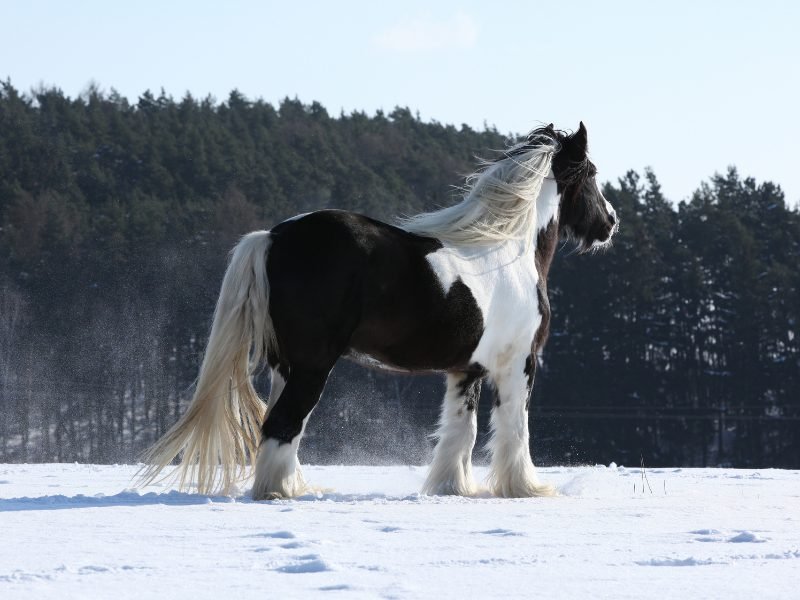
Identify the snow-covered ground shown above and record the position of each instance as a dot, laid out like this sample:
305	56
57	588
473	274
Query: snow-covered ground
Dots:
80	531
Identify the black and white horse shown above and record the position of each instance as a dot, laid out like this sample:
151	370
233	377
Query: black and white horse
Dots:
462	291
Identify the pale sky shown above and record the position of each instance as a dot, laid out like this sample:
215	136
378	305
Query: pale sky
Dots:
686	87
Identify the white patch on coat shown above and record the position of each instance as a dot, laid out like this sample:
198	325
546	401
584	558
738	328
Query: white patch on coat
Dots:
548	203
503	281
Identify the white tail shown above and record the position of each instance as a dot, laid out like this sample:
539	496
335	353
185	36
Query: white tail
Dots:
220	431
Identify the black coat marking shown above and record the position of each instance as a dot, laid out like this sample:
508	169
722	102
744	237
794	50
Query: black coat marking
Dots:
366	287
345	284
530	372
545	248
470	386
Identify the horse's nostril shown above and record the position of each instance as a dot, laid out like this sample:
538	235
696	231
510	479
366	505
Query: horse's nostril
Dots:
612	216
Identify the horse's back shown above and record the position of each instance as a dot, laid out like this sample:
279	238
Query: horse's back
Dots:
345	283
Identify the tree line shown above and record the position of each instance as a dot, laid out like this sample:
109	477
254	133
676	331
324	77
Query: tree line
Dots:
678	345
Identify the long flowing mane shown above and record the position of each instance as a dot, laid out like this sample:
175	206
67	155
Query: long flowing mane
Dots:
499	198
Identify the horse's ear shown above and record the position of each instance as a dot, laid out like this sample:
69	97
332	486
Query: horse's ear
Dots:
581	138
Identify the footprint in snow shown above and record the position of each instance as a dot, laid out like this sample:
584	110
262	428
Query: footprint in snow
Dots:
335	588
501	532
676	562
705	532
308	564
707	535
746	537
712	535
281	535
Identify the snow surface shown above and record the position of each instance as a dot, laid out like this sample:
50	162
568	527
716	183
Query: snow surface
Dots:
81	531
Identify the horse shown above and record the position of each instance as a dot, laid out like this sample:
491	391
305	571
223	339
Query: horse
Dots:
460	291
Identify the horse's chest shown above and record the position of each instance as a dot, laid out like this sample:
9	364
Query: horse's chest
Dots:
503	283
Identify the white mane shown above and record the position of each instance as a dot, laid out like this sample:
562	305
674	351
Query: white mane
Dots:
499	202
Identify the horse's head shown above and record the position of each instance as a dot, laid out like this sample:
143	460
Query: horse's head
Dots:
584	214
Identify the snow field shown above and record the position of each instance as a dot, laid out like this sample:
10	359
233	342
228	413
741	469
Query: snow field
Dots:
81	531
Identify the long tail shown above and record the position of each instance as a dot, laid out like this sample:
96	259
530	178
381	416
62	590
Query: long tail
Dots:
220	431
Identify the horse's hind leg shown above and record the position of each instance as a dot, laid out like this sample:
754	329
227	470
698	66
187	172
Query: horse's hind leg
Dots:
451	469
512	474
277	473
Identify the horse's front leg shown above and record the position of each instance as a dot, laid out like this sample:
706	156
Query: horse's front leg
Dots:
512	474
451	470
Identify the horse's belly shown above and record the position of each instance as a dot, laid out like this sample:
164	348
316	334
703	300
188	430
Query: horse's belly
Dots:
437	333
418	325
